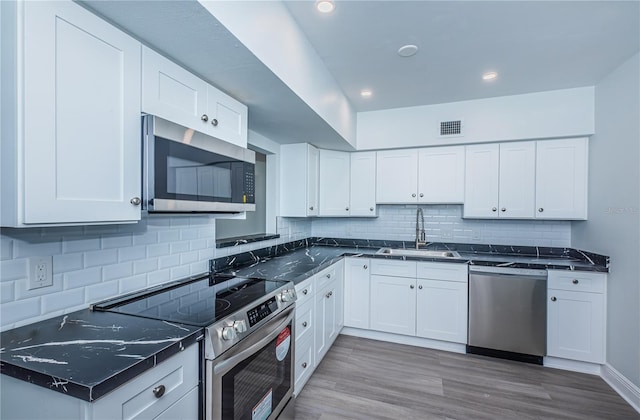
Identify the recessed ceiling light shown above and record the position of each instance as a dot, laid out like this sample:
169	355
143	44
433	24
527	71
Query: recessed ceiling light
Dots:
490	75
325	6
366	93
407	50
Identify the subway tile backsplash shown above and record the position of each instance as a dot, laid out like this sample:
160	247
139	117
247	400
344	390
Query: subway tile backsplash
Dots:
93	263
444	223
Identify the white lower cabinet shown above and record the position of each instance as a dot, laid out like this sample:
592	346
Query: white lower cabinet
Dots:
357	286
428	301
319	320
133	400
576	317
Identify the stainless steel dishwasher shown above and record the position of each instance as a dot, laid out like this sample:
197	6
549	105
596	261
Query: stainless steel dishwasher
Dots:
508	313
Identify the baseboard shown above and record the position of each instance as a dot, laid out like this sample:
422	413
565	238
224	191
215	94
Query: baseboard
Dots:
573	365
405	339
623	386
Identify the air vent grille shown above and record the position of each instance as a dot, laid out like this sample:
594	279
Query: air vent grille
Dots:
451	128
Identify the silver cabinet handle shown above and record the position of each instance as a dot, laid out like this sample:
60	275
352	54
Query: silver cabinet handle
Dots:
304	324
328	295
329	275
204	117
365	266
553	299
305	291
413	195
304	365
540	210
159	391
412	287
575	281
503	209
494	209
135	201
214	122
420	287
421	195
346	208
311	208
370	208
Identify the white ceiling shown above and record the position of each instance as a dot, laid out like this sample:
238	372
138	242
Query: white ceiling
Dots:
534	46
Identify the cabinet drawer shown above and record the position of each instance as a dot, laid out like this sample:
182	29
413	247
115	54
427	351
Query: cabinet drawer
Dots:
393	268
326	276
577	281
136	398
303	367
442	271
304	292
304	321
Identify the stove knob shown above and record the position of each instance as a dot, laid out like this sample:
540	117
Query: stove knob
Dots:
228	333
240	326
287	295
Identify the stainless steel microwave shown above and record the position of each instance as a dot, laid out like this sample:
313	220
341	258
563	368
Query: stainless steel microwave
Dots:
185	171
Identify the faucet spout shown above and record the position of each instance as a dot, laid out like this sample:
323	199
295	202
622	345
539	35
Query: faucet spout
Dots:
421	236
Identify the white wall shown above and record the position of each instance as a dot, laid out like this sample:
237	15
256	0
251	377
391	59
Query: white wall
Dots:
552	114
443	223
613	227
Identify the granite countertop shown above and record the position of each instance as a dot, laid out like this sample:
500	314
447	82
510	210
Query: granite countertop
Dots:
86	354
297	261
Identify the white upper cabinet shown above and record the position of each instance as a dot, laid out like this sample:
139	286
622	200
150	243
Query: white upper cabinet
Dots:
362	200
482	170
334	183
75	157
298	180
171	92
431	175
516	196
561	179
441	175
397	176
500	180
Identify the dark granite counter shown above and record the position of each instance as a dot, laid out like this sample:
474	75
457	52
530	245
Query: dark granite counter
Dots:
296	261
86	354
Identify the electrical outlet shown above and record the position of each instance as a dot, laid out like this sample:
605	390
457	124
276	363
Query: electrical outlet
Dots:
40	272
446	235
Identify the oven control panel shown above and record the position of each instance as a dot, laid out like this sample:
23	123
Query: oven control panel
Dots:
262	311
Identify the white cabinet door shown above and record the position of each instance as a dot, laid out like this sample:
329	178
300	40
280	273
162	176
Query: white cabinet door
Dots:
81	121
228	118
397	176
362	200
173	93
393	304
184	409
561	179
481	181
576	325
441	308
326	326
334	183
298	180
356	293
517	180
441	175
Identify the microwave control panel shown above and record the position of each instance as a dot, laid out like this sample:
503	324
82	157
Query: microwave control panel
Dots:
249	183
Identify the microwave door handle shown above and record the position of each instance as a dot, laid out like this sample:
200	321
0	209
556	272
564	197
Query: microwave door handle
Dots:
252	344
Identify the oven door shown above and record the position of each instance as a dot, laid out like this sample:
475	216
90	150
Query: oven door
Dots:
254	379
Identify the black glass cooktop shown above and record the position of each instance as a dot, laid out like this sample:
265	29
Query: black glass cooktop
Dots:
199	302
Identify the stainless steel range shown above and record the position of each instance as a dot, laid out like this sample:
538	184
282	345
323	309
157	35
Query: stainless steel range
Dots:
248	338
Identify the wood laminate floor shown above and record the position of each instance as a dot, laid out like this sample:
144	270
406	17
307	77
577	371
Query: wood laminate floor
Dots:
368	379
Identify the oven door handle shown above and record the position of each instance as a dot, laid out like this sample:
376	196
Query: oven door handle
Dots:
253	342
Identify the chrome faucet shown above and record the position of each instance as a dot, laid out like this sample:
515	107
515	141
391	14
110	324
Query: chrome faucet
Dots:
421	236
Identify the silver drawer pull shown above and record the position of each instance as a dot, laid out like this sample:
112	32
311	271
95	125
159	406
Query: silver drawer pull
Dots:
304	365
365	266
553	299
159	391
329	294
305	291
304	324
329	275
575	281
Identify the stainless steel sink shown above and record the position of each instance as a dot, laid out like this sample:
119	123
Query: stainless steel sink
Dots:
418	253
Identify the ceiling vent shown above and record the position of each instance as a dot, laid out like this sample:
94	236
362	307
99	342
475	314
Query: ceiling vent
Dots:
450	128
